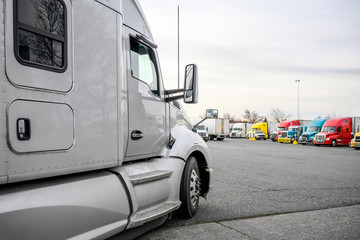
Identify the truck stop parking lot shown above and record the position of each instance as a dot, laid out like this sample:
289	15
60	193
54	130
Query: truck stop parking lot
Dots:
268	190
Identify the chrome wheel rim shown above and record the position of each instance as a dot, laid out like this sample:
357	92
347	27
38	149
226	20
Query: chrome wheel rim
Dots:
194	187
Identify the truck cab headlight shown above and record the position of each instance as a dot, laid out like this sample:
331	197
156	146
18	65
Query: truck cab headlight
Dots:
327	139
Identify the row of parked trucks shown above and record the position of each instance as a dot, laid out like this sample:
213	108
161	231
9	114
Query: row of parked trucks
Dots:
320	131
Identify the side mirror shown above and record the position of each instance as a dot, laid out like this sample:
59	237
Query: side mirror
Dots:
191	84
211	113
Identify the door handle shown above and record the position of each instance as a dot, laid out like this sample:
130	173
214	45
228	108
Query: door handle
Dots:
136	135
23	129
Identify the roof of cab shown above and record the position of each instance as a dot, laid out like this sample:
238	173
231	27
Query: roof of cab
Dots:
132	13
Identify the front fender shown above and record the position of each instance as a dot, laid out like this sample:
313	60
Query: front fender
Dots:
188	143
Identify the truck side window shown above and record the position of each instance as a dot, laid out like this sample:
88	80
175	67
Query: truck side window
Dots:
143	64
339	129
40	34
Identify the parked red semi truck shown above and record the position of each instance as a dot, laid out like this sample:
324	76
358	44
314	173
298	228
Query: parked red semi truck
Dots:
283	126
337	131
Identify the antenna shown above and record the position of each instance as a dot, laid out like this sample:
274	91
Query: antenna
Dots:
178	25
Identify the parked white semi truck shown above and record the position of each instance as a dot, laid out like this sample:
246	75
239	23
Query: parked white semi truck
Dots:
91	142
200	128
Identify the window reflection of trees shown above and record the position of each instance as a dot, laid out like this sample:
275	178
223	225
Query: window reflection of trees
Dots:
41	32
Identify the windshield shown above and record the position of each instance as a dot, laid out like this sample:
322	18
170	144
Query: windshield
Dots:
328	129
293	128
236	129
281	128
200	127
259	132
313	129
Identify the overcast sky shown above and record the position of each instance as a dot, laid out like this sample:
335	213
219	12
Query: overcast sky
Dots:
250	52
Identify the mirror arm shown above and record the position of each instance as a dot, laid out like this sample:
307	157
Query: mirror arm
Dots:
170	99
167	92
199	122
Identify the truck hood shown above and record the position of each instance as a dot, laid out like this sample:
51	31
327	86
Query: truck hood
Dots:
309	133
327	134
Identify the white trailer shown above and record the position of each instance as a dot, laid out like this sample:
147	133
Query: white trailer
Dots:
217	128
355	128
272	127
304	123
92	144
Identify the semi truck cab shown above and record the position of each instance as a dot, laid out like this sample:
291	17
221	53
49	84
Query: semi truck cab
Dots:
314	128
291	135
355	142
283	126
335	131
92	143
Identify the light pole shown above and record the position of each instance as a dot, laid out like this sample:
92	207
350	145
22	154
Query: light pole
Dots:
298	82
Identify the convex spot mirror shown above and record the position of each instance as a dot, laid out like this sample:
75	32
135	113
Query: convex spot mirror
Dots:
211	113
191	84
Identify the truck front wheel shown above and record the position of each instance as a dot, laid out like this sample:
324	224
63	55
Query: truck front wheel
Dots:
333	143
190	189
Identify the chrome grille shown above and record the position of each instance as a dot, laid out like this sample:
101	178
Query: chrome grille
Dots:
284	134
202	134
357	139
304	138
319	138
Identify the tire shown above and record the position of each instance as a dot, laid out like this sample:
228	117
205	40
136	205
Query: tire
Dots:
190	189
333	143
220	139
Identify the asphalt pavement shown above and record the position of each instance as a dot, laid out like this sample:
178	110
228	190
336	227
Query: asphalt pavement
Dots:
335	223
268	190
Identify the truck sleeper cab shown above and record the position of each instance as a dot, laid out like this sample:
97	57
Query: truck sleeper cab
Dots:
283	126
313	128
335	131
355	142
259	127
291	135
93	144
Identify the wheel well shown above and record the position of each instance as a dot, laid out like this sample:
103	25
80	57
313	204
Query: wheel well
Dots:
204	174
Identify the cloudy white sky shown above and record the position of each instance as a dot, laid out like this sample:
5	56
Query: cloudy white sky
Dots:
250	52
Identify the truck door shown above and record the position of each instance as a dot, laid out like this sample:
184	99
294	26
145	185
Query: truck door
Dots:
147	132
